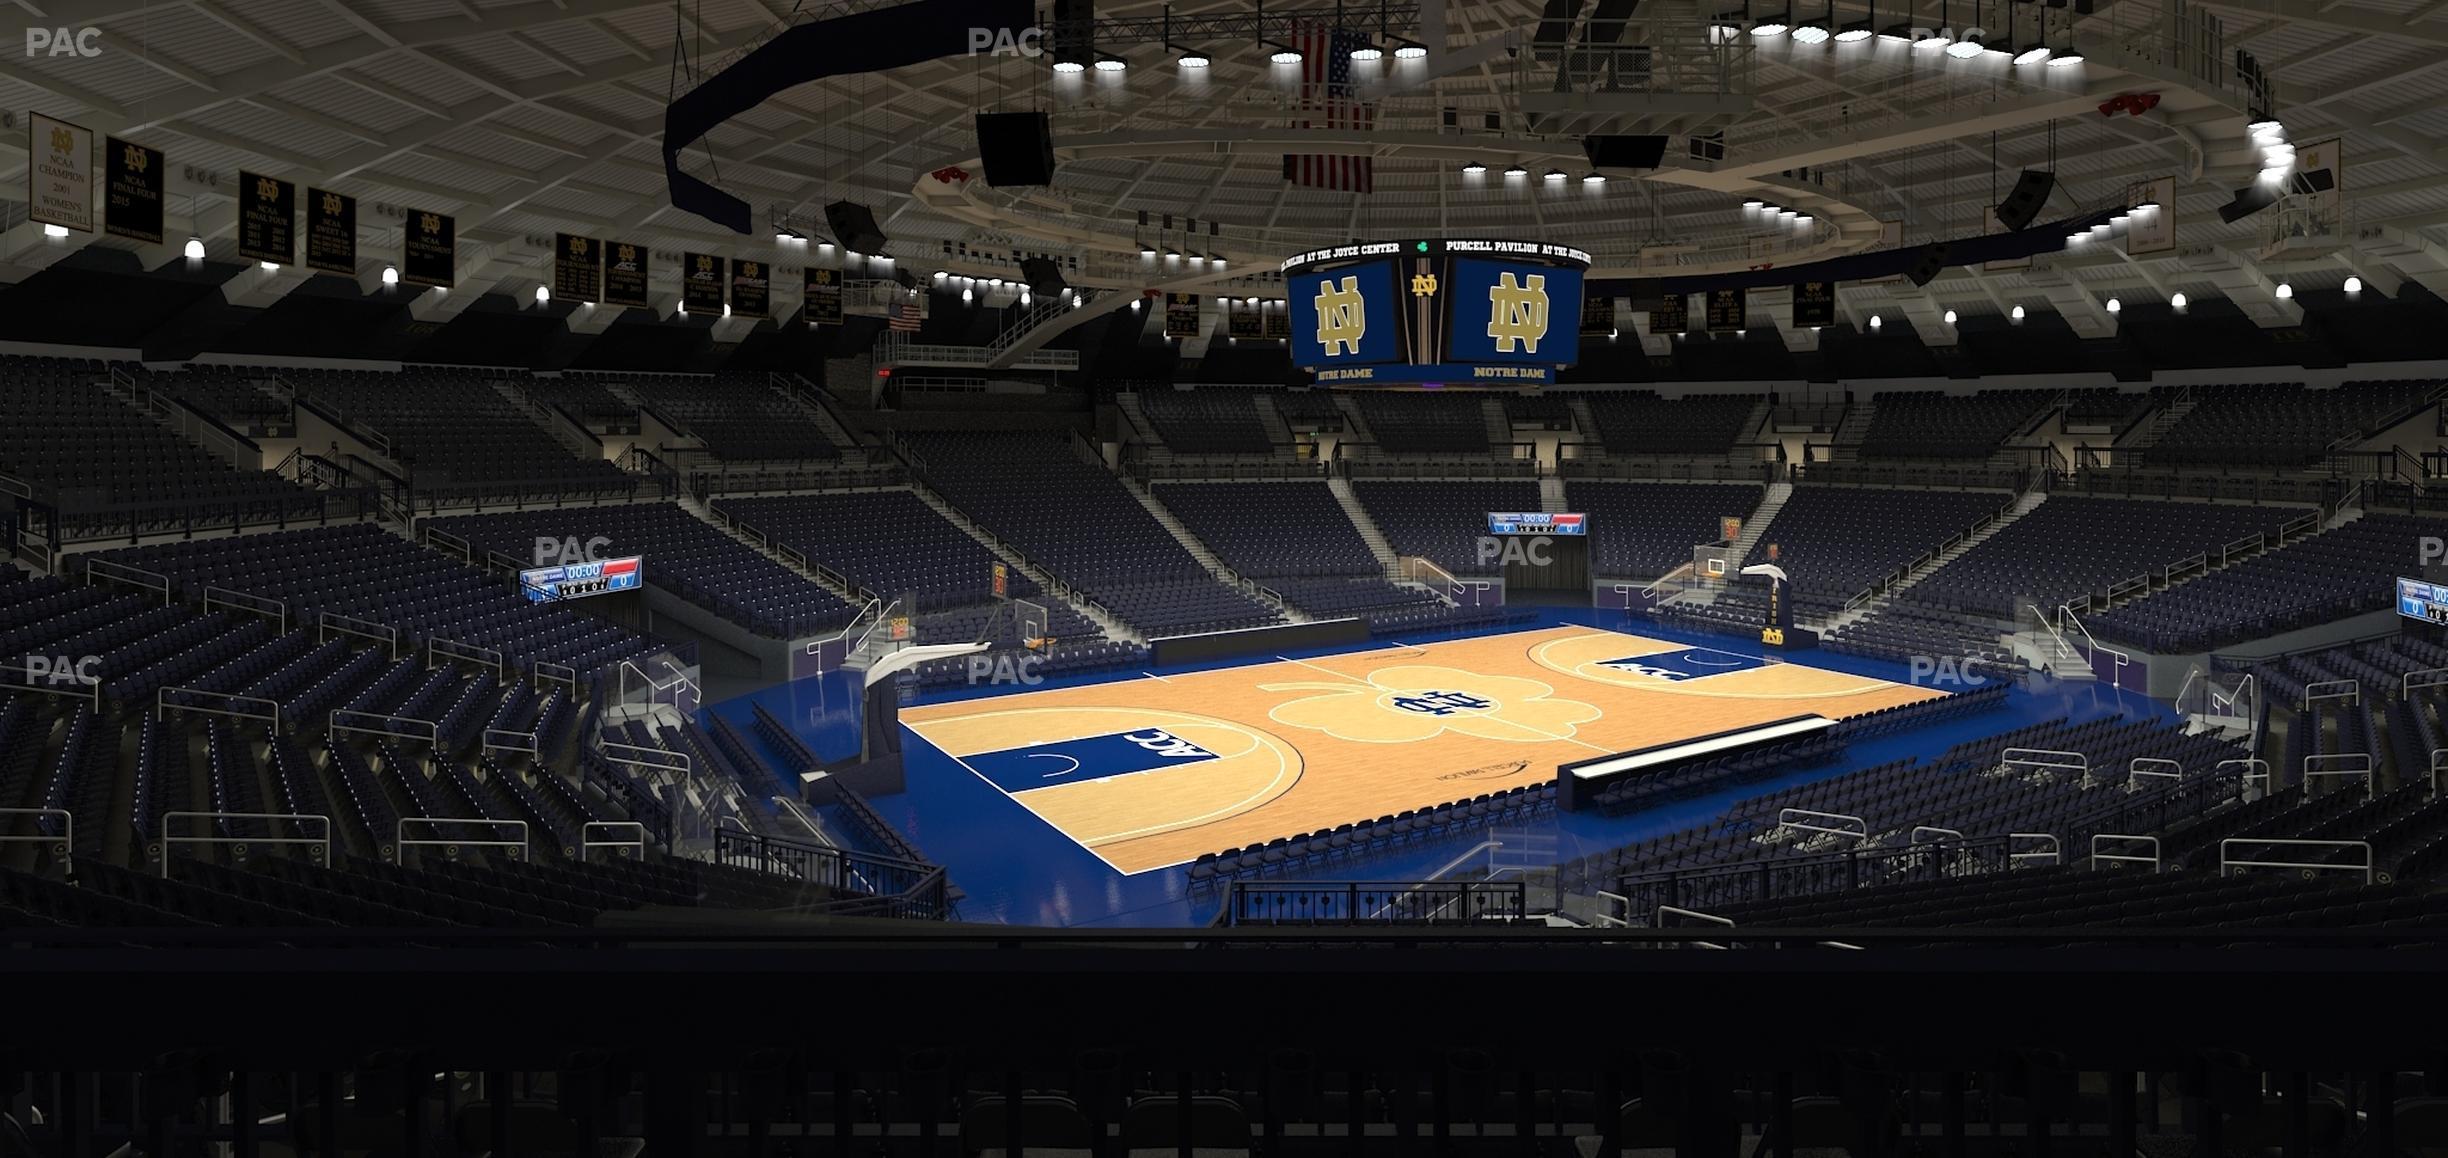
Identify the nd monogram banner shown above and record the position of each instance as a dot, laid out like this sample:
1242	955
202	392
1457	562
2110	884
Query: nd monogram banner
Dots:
331	231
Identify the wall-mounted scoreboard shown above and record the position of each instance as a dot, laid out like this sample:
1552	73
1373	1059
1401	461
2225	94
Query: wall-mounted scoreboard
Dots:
1442	312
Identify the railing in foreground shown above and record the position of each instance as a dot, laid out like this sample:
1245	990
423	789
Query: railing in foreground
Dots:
867	884
1352	903
1719	887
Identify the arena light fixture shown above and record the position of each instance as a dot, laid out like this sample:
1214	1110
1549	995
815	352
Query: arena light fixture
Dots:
941	274
1803	220
1967	47
1409	49
2354	285
543	294
1555	176
1877	322
2178	302
195	249
1515	172
2265	126
968	296
1069	67
1368	51
1613	333
268	266
1191	57
390	275
1281	53
1770	28
2036	54
2115	306
2284	292
1855	31
2078	237
1025	298
2016	316
1473	169
1593	179
1950	317
1753	204
55	231
1108	62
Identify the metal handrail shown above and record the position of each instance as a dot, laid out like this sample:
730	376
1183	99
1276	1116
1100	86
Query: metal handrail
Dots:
2338	690
330	621
1942	834
278	611
2125	858
162	704
66	850
1658	921
322	843
1785	819
2052	852
332	727
586	840
2137	768
2227	862
400	841
122	573
2342	764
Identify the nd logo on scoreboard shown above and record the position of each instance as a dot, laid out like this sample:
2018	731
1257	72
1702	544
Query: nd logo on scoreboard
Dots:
1342	316
1517	312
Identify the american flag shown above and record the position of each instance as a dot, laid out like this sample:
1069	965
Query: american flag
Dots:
1327	101
905	317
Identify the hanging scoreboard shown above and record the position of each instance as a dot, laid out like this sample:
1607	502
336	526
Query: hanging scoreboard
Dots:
1454	312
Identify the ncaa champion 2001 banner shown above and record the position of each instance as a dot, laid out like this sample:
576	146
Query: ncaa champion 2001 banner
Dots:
59	173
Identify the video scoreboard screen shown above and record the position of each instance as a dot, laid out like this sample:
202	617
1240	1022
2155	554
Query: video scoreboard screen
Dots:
1439	312
2417	599
579	580
1537	523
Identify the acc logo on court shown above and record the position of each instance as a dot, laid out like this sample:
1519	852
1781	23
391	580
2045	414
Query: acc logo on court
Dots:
1416	702
1081	758
1679	666
1342	317
1517	313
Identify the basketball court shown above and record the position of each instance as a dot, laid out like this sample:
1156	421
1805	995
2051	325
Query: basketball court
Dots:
1152	772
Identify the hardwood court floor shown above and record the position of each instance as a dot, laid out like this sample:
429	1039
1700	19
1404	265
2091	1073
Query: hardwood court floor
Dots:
1151	772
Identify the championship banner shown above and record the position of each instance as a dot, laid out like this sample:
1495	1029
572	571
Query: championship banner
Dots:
1277	323
331	231
1181	315
1597	315
577	268
1244	320
267	219
430	253
2155	231
131	190
751	288
59	173
1728	310
701	283
1729	527
625	269
1672	315
823	291
1814	303
1002	580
